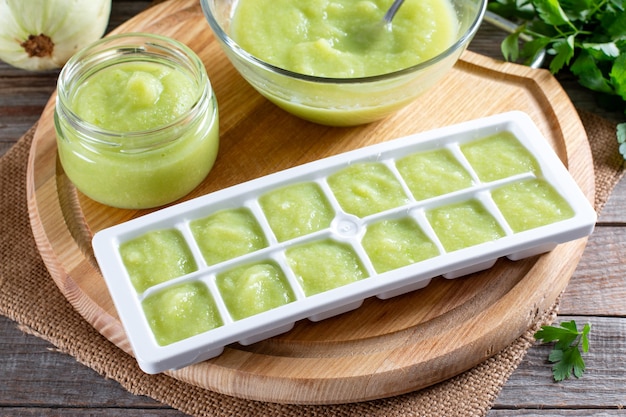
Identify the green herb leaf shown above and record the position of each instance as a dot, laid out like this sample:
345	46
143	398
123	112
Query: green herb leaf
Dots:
564	52
588	37
550	11
510	47
618	75
566	355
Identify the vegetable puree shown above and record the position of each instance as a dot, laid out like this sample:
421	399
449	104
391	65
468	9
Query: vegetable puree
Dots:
151	155
227	234
181	311
296	210
134	96
367	188
253	289
323	265
156	257
499	156
343	38
463	224
529	204
392	244
433	173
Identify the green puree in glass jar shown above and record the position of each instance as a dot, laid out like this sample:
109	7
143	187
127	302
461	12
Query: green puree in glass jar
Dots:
151	134
134	96
339	38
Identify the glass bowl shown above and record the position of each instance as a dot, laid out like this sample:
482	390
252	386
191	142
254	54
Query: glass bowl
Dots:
342	101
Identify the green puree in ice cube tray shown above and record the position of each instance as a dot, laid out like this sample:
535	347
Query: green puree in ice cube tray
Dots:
295	223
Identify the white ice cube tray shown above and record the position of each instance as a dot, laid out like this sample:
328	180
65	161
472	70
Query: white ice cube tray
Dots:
346	228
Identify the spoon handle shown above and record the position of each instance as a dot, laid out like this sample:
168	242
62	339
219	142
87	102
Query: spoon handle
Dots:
392	10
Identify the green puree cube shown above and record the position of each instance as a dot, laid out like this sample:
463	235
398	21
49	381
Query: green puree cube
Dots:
529	204
323	265
367	188
433	173
181	311
392	244
464	224
252	289
156	257
499	156
227	234
296	210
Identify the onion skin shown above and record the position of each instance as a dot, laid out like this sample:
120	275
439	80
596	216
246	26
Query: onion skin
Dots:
39	35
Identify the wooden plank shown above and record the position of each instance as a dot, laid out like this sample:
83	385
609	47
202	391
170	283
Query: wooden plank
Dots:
598	286
603	386
49	388
613	211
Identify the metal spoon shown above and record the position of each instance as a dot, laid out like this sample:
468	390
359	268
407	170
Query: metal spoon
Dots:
392	11
373	32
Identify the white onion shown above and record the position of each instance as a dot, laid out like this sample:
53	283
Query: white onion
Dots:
44	34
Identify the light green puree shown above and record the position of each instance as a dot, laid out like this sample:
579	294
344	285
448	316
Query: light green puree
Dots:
464	224
180	312
227	234
499	156
338	39
136	97
323	265
433	173
367	188
296	210
251	289
529	204
392	244
156	257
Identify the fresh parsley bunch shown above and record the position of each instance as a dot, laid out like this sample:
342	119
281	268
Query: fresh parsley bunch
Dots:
586	36
566	355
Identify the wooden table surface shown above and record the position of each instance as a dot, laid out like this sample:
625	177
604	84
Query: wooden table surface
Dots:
35	380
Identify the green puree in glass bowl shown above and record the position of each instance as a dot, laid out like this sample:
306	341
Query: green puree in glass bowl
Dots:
340	38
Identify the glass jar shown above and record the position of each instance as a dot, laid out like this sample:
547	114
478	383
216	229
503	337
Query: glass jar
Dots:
136	121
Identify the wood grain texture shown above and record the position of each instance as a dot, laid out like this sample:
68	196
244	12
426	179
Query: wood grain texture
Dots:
429	335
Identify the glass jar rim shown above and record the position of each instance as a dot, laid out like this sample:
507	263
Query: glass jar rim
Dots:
128	47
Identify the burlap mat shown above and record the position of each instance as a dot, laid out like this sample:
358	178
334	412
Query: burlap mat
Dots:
24	282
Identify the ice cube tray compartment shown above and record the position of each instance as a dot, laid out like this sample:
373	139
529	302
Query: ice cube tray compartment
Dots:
269	248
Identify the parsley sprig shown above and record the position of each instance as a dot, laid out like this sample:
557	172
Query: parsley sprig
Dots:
588	37
566	355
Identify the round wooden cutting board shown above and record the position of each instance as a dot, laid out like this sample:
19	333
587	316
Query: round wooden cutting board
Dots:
385	347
